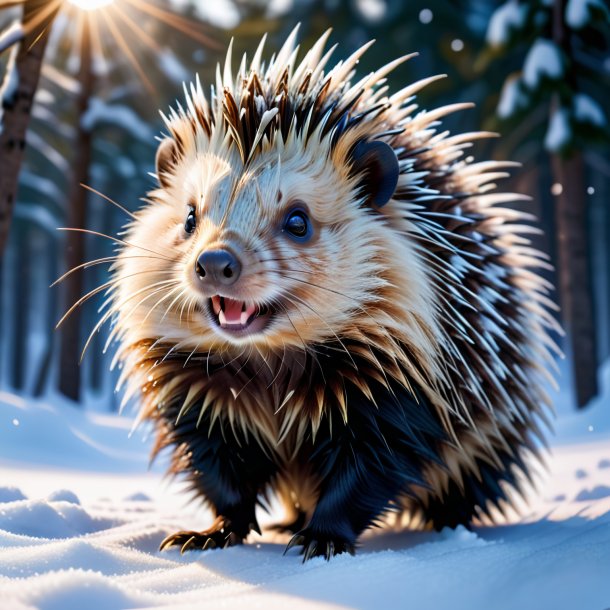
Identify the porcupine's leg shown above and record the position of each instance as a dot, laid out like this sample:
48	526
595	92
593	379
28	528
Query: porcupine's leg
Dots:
227	471
366	465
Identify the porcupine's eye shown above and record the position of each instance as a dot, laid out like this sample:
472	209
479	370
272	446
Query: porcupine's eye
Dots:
191	221
297	225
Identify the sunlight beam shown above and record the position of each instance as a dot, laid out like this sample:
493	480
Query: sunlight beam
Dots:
91	5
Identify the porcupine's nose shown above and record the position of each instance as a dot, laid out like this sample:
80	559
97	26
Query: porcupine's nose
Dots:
218	266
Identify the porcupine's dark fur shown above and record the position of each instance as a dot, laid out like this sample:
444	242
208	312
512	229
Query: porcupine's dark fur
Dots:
419	389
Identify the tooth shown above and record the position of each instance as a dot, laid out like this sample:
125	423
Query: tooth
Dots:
222	319
243	318
216	304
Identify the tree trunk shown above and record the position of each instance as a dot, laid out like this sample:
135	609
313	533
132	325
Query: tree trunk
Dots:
575	274
38	16
574	253
22	287
69	372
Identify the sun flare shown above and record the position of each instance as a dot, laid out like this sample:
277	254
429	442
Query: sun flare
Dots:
91	5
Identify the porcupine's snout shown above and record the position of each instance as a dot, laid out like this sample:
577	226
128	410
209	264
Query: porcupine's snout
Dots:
219	267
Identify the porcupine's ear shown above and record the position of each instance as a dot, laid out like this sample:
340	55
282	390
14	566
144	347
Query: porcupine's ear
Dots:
166	159
376	164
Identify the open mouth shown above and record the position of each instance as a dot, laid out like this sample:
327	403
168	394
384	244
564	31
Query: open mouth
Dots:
238	316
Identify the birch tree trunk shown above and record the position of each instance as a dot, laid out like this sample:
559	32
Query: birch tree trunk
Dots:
38	16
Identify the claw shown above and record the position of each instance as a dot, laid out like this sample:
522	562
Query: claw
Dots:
315	544
294	541
186	545
218	535
165	543
310	551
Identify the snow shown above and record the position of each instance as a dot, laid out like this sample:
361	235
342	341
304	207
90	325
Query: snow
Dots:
10	84
587	110
81	520
12	35
578	12
512	98
372	11
172	67
506	18
117	115
543	60
221	13
559	132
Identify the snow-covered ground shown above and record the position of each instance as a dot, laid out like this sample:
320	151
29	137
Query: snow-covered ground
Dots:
81	517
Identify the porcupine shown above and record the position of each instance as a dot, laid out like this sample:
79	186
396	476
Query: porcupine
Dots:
324	299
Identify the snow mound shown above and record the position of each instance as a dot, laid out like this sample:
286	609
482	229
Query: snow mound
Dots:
10	494
77	531
65	436
537	563
43	519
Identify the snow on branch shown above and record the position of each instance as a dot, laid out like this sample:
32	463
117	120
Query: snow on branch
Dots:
506	18
60	79
12	35
587	110
512	98
124	118
9	86
580	13
559	133
543	60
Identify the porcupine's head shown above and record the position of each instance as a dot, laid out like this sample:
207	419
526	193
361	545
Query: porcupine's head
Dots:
298	209
268	226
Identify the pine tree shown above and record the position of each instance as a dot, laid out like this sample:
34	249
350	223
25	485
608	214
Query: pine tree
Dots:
556	92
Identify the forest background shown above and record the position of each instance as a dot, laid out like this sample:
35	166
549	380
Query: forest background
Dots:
538	72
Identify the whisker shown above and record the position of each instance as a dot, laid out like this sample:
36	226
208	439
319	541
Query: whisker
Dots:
112	201
190	310
113	311
84	298
120	279
176	298
191	355
101	261
308	349
115	239
321	287
279	368
246	361
278	303
253	377
167	296
185	303
293	296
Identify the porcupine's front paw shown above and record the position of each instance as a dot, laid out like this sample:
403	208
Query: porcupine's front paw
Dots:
219	535
315	544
